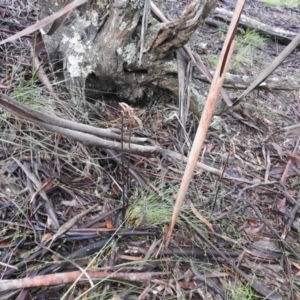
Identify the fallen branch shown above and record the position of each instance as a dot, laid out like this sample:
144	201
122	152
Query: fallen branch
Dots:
36	116
247	22
242	82
271	68
78	132
70	277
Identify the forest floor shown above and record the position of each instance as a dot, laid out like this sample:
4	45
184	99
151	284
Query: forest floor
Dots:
66	206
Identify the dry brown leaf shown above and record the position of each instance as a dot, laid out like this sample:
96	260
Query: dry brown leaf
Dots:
109	225
46	237
131	114
295	264
51	223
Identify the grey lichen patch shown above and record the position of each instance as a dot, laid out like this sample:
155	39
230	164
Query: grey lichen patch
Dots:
102	4
75	67
136	4
138	93
199	101
75	42
136	18
171	66
120	3
123	26
119	51
130	24
218	124
130	54
94	17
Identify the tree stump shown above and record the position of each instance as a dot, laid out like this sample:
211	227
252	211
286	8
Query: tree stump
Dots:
96	51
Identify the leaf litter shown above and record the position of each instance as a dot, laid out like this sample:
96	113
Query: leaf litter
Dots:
229	234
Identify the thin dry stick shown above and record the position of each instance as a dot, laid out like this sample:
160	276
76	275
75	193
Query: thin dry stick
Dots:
90	135
205	118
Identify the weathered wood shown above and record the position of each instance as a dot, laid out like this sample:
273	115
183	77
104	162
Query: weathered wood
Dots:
239	82
173	35
96	61
247	22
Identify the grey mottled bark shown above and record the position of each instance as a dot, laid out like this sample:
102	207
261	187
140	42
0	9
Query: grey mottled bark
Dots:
94	61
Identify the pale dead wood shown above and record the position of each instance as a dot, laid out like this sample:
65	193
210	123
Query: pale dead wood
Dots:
207	114
76	276
175	34
193	56
31	114
238	82
78	131
257	25
271	68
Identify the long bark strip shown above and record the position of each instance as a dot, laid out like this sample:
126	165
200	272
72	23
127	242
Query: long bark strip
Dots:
206	117
70	277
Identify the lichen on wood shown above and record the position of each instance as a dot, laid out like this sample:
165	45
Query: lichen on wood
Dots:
92	60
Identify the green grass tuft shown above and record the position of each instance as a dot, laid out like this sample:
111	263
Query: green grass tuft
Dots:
241	292
282	3
246	46
149	209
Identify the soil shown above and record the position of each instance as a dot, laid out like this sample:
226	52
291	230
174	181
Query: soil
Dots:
244	241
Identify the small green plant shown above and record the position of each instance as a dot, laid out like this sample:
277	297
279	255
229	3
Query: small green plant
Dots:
150	209
26	94
281	3
253	38
221	32
31	93
213	59
246	46
240	292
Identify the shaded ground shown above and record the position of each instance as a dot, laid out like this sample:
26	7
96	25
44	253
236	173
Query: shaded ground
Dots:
251	222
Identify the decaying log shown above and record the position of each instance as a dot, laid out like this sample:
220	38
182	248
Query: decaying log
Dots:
247	22
239	82
95	61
